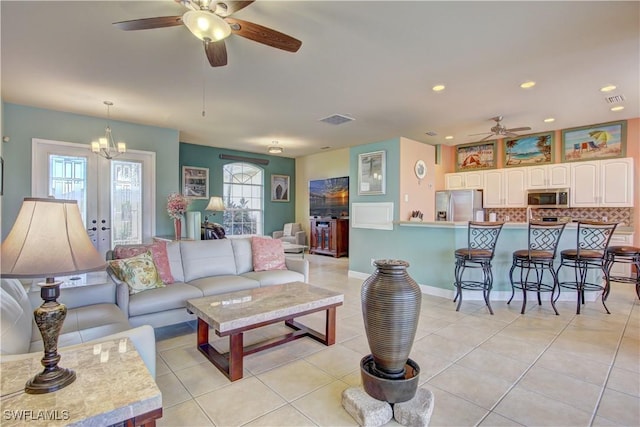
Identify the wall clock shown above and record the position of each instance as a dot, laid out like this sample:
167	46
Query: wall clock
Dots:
420	169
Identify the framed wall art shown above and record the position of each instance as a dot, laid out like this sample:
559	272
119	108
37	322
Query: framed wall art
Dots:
372	173
195	182
594	142
279	188
529	150
476	156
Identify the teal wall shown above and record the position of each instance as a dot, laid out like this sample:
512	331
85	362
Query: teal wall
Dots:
22	123
276	214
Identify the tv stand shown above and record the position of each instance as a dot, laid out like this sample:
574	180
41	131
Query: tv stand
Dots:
329	236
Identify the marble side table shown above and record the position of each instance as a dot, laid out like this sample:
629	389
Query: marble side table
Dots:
112	386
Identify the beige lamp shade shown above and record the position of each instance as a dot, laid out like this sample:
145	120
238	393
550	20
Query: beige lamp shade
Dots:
215	204
48	239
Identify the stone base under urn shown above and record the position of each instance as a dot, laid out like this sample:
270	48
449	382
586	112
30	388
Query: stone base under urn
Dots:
371	412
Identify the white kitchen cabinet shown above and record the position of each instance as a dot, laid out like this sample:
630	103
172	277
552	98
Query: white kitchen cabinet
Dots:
548	176
464	180
505	188
602	183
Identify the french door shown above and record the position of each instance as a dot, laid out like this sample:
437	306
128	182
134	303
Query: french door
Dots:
116	197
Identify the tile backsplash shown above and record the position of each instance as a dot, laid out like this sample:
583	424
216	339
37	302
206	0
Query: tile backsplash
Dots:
623	216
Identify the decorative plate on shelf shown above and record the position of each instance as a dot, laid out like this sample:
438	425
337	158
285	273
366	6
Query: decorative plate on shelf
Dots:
420	169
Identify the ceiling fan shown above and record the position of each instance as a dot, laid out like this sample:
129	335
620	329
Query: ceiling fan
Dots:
500	130
210	22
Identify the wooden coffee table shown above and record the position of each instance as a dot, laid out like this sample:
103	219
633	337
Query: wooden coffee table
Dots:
234	313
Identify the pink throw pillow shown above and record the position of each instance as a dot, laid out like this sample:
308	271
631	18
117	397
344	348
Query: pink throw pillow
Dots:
268	254
158	252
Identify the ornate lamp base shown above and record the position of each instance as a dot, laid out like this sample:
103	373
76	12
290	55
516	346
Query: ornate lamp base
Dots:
49	317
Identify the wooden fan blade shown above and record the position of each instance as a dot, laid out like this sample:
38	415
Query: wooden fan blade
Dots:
149	23
487	137
216	53
518	129
226	8
483	133
264	35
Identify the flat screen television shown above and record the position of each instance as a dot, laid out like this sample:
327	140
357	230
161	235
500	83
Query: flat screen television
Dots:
329	197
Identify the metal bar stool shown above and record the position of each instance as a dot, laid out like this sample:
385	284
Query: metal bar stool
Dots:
541	249
592	241
625	255
481	244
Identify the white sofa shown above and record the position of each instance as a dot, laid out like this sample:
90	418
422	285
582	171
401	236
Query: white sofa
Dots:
92	316
202	268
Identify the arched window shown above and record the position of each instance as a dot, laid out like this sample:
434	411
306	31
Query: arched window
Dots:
243	199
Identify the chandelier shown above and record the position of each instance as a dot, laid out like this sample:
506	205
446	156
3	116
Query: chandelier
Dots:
106	146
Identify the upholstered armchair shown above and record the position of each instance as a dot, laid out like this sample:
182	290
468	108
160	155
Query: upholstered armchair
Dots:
292	233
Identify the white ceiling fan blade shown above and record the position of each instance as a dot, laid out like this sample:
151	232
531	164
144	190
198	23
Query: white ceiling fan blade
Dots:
520	129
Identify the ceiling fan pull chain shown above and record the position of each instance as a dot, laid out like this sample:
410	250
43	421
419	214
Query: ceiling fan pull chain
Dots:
204	88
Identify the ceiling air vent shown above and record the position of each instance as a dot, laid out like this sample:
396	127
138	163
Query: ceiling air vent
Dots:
614	99
337	119
431	133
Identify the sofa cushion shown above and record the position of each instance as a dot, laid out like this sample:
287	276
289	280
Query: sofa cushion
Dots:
138	272
16	321
268	254
274	277
158	252
175	261
243	254
222	284
204	258
161	299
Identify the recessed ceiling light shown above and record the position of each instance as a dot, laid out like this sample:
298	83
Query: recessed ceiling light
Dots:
438	88
617	108
448	137
608	88
549	120
528	85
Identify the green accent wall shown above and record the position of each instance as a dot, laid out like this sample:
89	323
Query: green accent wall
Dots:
276	214
22	123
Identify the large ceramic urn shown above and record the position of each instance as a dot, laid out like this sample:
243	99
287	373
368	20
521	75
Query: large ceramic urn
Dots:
391	309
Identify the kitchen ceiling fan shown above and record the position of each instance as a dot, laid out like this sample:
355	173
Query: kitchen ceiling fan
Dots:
210	22
500	130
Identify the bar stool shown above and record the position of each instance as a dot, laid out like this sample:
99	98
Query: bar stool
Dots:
592	241
625	255
541	249
481	244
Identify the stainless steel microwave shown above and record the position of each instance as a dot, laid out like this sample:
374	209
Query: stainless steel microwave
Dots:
553	198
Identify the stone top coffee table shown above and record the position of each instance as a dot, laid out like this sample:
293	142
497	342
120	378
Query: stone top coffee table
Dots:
234	313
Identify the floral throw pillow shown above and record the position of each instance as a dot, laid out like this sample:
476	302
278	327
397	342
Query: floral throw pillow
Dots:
138	272
268	254
158	252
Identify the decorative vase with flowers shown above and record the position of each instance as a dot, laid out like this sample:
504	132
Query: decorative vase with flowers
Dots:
177	205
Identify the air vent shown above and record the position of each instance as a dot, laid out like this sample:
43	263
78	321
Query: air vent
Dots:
614	99
337	119
431	133
325	148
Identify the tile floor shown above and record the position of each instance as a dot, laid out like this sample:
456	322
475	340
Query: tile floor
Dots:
508	369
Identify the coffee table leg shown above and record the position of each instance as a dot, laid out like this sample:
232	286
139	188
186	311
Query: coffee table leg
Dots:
235	356
203	332
330	328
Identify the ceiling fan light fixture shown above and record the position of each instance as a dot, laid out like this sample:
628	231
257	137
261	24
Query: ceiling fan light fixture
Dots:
528	85
275	148
206	26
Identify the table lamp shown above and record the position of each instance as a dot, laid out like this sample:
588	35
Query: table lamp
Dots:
49	239
215	205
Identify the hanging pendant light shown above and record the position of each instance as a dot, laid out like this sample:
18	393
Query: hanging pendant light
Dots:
106	146
275	148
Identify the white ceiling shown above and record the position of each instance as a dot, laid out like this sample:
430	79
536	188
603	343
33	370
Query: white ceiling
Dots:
373	60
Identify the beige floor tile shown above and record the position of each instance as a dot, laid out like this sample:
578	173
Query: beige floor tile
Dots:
182	357
532	409
495	420
629	354
580	367
185	414
562	388
359	344
173	392
202	378
239	402
494	364
620	408
624	381
430	365
442	347
336	360
353	378
286	416
472	385
516	349
450	410
603	422
324	406
161	367
295	379
179	341
540	336
463	333
272	358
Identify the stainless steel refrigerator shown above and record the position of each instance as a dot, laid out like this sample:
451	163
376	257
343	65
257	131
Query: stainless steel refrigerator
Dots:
458	205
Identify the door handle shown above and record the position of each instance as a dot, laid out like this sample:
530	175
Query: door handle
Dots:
92	229
105	228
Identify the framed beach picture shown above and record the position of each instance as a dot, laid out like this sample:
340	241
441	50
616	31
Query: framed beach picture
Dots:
479	155
279	188
529	150
372	173
195	182
594	142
